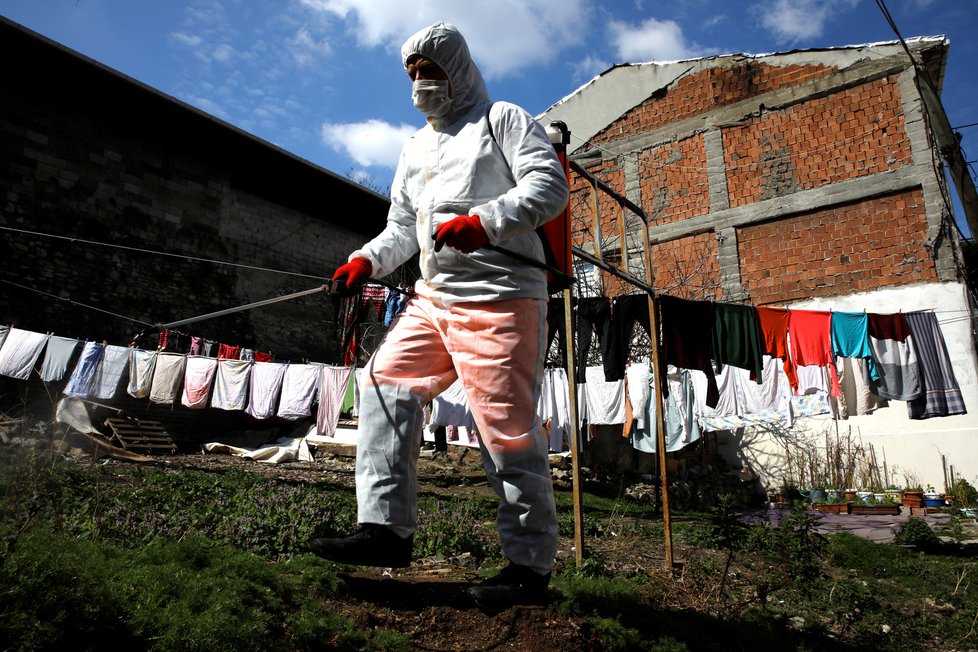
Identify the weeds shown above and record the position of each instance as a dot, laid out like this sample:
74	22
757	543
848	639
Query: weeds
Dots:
151	559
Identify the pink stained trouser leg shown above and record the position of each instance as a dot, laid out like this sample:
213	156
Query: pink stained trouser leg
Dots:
496	348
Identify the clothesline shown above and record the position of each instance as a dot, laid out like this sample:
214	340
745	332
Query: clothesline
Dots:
262	389
904	353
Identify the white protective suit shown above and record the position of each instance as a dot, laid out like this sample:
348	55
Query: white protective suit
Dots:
480	317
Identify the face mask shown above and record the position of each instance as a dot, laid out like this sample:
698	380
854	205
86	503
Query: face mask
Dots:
430	96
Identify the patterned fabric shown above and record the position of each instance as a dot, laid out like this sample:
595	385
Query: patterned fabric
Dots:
142	364
941	396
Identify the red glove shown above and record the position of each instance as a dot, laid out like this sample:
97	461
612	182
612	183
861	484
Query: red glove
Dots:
354	273
464	233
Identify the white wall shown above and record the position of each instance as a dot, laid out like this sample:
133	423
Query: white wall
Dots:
907	444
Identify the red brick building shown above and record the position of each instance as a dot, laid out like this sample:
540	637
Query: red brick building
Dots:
808	178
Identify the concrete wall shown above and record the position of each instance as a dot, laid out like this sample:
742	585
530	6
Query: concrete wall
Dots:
905	444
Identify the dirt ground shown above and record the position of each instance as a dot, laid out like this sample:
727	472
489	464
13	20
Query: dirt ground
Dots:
427	601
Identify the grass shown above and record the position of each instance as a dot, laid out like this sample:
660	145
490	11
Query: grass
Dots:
154	559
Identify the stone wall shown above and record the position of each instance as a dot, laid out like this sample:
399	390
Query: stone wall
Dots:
117	201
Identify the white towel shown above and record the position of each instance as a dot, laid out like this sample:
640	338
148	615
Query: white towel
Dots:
231	384
197	381
20	352
266	386
299	389
167	378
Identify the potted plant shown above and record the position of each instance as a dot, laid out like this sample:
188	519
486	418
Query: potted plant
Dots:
894	493
932	498
913	496
833	505
874	507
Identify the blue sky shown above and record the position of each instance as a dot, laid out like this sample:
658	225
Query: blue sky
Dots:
322	78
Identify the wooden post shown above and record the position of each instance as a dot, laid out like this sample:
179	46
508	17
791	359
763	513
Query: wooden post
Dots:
576	488
659	376
947	489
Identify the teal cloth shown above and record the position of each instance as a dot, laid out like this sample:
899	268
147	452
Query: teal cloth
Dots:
850	339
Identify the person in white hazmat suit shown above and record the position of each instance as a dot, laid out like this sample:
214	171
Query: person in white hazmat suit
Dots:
478	315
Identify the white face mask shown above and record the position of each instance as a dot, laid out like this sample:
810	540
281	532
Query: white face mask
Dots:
430	96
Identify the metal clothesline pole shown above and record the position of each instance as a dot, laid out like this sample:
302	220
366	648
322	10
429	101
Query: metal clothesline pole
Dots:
657	368
330	288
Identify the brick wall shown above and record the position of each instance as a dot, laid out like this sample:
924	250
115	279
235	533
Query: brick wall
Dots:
852	133
793	181
687	267
674	182
706	91
852	248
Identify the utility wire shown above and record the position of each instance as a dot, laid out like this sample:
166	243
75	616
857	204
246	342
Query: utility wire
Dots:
159	253
77	303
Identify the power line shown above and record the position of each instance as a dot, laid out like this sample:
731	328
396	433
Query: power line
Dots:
77	303
158	253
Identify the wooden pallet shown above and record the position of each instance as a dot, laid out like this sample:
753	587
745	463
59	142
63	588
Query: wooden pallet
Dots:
141	435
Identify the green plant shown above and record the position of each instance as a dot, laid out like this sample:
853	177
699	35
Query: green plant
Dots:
793	547
915	532
453	527
168	595
965	495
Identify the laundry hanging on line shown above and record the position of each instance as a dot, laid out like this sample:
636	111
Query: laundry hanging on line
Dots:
705	335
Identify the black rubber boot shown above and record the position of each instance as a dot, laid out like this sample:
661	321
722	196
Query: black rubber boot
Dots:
514	585
373	545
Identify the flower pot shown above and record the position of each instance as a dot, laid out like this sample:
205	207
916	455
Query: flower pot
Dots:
831	508
933	500
863	496
877	510
913	498
849	495
817	495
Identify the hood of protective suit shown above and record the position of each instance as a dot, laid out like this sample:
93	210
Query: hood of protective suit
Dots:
444	44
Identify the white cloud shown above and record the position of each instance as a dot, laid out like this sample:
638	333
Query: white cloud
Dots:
505	36
653	40
186	40
587	68
373	142
306	48
713	21
791	21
